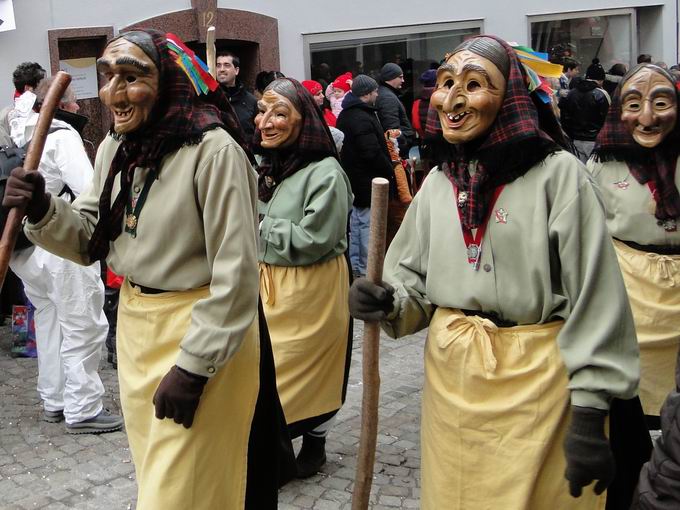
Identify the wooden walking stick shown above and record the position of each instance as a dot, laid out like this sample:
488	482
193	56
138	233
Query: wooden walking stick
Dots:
210	51
371	351
16	214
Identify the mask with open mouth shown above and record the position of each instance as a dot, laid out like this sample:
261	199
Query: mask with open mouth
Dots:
468	96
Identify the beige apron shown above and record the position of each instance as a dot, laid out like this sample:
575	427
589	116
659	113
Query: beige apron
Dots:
203	467
307	313
495	412
653	285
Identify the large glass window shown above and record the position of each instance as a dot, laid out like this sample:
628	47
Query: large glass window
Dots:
609	37
415	49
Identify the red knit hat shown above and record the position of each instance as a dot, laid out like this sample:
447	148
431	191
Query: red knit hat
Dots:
314	87
342	82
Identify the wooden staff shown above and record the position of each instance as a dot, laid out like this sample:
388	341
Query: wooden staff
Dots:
210	51
371	351
16	214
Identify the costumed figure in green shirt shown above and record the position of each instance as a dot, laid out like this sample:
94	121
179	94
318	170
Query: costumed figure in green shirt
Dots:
305	198
173	208
635	164
504	256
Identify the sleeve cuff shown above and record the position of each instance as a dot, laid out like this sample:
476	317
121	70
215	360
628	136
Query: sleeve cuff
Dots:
596	400
265	227
44	221
196	365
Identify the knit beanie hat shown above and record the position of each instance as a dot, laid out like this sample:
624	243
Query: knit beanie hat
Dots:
595	70
362	85
313	86
342	82
429	78
390	71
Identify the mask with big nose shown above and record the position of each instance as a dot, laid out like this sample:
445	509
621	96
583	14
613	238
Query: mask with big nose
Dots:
131	84
469	93
649	107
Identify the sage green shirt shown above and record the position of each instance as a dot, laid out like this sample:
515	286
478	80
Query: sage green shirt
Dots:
546	255
305	222
629	205
197	228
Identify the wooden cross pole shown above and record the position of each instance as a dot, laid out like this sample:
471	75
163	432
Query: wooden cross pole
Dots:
371	351
35	149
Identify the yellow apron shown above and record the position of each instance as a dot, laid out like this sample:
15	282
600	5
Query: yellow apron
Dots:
307	313
203	467
495	412
655	300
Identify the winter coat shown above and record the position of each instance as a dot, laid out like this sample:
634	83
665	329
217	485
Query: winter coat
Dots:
392	115
245	106
659	487
364	154
583	110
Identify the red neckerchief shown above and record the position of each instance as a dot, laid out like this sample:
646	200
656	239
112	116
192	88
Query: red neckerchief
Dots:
473	244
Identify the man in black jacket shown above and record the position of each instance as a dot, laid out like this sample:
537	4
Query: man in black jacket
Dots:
364	156
584	109
244	103
391	111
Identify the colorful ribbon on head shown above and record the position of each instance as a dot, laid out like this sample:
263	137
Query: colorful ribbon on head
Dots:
538	68
192	65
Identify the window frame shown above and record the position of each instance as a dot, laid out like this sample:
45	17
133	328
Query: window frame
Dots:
631	12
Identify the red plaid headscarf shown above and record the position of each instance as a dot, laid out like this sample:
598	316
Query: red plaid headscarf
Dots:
314	143
615	143
515	143
180	117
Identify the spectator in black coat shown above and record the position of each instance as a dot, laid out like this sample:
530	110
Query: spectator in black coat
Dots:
584	110
364	156
391	111
243	102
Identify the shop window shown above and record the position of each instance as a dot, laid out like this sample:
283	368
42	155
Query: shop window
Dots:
607	35
415	49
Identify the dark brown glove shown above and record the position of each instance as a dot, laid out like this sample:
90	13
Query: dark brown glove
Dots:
587	451
370	302
27	189
178	395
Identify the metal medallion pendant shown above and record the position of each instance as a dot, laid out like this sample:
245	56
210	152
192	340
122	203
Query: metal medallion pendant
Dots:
462	198
131	222
473	254
670	225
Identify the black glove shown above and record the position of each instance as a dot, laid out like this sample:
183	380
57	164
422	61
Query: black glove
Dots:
27	189
178	395
370	302
587	451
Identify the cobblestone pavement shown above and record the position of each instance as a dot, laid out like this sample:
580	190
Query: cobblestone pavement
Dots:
41	466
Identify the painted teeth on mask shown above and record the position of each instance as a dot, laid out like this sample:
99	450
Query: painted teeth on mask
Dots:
456	118
123	113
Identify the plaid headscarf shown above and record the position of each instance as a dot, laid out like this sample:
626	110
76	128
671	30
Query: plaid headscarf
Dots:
314	143
615	143
180	117
515	143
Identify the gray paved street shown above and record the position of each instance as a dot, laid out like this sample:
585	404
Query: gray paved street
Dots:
43	467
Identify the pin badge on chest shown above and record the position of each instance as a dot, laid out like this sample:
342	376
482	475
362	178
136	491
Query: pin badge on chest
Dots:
462	198
501	216
622	185
474	254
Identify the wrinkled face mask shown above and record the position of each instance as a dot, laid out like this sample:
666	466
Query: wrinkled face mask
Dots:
131	87
649	107
278	121
468	95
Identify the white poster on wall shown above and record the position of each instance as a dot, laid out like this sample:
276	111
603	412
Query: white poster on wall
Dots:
83	73
7	16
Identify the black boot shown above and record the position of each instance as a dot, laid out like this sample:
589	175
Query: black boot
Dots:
312	456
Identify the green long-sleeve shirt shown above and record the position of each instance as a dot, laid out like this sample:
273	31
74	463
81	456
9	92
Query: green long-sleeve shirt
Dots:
305	222
546	255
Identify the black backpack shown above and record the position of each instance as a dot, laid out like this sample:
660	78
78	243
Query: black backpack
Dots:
10	158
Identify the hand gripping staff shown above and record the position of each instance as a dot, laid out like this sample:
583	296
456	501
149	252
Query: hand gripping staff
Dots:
371	350
13	225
